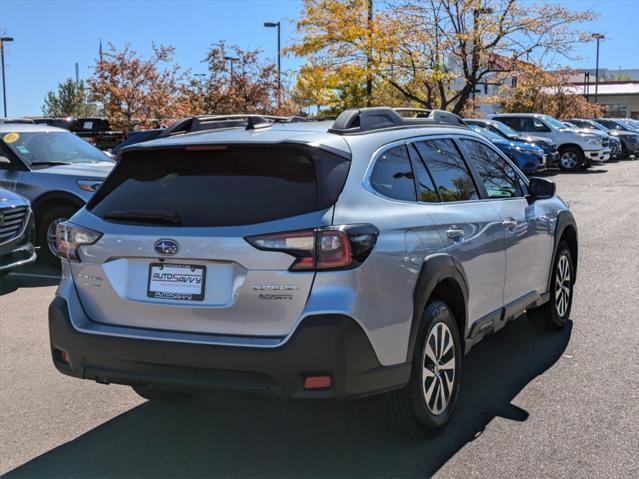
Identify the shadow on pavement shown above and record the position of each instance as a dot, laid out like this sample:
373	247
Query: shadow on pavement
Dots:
247	436
36	275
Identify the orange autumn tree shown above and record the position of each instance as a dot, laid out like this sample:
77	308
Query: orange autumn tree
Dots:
435	53
137	90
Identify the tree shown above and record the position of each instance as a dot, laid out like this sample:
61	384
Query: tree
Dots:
134	90
239	83
436	52
537	91
313	87
71	99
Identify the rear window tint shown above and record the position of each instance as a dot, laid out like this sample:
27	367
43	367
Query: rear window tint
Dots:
228	187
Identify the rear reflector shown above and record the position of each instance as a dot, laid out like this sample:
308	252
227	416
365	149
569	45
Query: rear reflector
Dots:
61	356
317	382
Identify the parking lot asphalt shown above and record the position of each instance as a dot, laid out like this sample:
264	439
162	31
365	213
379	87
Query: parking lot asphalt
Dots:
533	403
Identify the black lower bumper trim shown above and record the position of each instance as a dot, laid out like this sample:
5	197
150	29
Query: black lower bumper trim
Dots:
332	345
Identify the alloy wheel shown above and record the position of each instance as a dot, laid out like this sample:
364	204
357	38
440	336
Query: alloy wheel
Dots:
569	160
562	285
438	368
51	235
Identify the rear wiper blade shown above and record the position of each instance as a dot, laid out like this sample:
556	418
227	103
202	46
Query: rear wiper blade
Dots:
50	163
150	217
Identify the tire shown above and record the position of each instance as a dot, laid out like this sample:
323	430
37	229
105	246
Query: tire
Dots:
47	221
555	313
571	158
160	395
419	409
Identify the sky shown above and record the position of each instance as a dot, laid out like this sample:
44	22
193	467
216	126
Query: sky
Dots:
51	35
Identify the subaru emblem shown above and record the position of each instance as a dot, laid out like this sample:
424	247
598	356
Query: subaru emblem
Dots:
167	247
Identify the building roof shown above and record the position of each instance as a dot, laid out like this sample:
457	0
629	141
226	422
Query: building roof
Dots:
604	88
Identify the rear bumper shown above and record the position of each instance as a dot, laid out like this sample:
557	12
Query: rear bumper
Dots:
333	345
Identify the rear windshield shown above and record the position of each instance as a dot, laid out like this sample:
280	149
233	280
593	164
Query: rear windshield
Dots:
226	186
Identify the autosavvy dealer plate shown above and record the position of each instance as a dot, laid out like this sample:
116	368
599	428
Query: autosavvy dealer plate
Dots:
182	282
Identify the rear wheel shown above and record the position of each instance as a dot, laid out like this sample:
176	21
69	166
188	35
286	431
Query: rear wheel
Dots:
160	395
425	405
556	311
47	223
570	158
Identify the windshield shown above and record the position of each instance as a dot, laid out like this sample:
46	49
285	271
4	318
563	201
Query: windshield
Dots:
486	133
555	123
505	129
596	124
52	147
611	124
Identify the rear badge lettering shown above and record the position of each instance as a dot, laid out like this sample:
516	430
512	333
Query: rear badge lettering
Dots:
276	288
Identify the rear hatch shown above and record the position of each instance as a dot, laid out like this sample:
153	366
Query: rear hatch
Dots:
173	253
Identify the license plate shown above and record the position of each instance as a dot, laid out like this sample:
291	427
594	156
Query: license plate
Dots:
182	282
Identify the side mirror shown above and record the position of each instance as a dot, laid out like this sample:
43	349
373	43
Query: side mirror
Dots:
541	188
4	160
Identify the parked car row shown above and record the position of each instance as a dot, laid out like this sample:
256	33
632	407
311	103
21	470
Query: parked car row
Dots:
575	143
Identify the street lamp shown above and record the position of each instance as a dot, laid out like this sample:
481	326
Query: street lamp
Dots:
279	64
597	36
4	82
231	60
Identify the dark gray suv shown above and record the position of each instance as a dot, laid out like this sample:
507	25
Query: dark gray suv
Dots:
56	170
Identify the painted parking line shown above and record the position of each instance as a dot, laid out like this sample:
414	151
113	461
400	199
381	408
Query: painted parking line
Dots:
33	275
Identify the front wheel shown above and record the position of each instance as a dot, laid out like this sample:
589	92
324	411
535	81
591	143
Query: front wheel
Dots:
425	405
570	158
47	224
556	311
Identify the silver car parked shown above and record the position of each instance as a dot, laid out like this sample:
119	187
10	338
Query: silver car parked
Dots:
309	260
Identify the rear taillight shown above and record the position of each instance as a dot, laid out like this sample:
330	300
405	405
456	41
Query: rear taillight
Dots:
70	237
339	247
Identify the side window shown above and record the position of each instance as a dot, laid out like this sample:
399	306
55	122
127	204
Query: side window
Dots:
392	175
5	159
539	126
498	177
514	123
450	173
426	191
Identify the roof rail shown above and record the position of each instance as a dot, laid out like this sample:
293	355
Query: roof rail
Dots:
217	122
380	118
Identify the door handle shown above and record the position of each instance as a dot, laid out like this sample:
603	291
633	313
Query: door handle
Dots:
455	233
509	223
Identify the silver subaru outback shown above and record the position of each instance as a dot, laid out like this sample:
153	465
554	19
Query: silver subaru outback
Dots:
309	260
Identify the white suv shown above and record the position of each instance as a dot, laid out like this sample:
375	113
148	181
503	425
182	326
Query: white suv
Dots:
576	149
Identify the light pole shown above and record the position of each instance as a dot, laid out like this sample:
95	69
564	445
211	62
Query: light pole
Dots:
279	60
231	60
3	40
597	36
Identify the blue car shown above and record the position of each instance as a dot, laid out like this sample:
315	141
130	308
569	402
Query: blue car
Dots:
528	157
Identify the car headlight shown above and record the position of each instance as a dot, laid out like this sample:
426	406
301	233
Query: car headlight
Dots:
89	185
593	140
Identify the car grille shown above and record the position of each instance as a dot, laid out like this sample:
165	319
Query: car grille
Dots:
12	222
